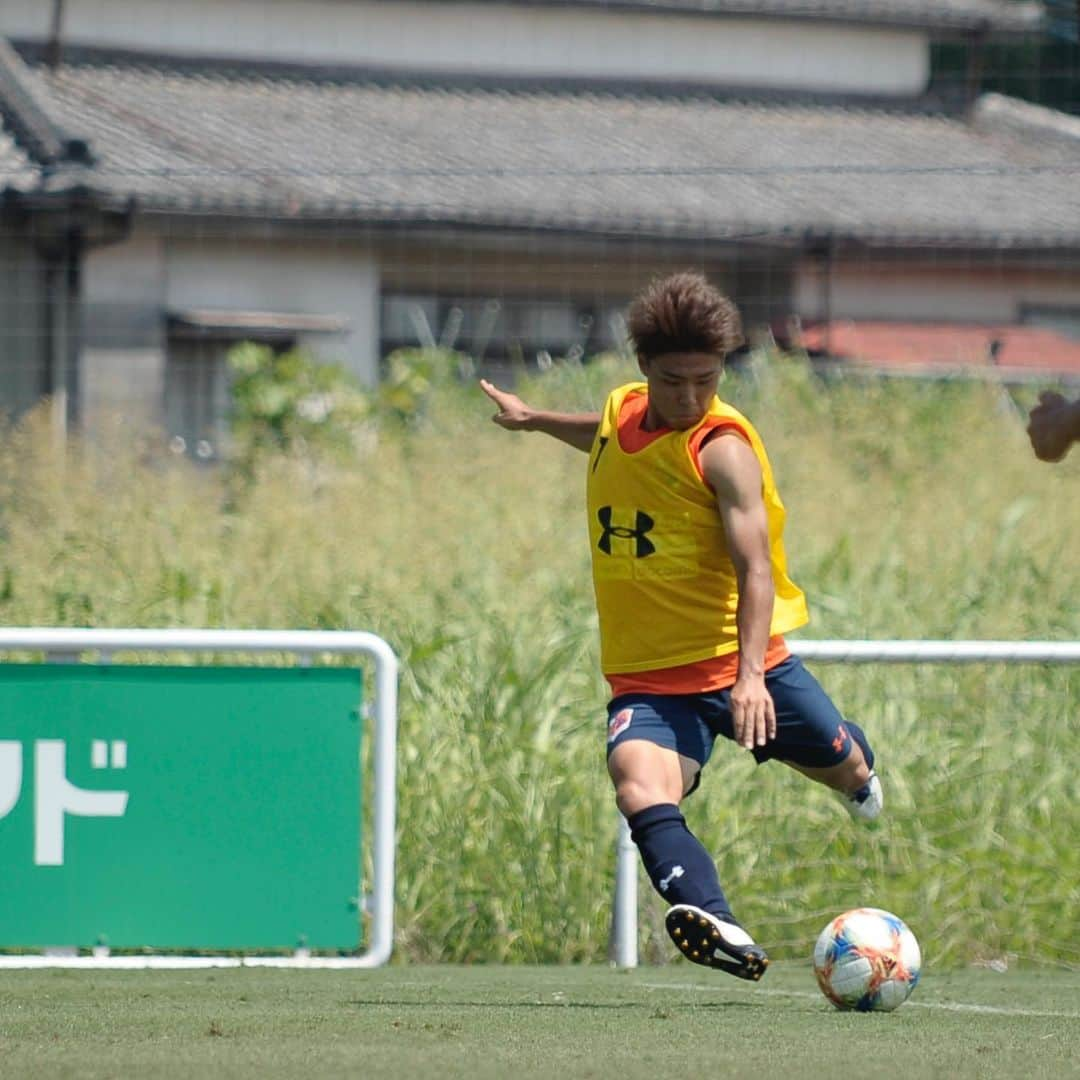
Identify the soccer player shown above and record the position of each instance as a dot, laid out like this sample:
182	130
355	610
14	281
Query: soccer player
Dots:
693	597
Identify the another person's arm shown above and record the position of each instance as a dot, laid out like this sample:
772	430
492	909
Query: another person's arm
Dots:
733	472
574	429
1053	426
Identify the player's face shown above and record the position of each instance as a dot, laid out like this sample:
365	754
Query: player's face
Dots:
681	388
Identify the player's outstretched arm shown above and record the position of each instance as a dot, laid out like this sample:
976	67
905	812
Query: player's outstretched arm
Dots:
574	429
1053	426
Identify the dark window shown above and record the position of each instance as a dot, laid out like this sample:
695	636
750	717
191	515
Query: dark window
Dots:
197	397
494	330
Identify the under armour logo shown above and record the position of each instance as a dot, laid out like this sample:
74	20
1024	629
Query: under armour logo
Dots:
841	738
676	872
642	524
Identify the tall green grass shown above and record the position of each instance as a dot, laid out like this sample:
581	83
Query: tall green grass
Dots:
915	510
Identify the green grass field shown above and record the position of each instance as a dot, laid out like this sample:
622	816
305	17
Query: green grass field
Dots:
499	1022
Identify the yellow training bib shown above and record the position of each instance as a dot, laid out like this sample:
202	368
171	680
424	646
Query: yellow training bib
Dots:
666	589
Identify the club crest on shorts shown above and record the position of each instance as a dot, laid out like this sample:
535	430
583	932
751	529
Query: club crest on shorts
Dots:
619	723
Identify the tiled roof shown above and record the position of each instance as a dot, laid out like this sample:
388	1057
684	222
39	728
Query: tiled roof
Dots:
945	347
249	143
990	15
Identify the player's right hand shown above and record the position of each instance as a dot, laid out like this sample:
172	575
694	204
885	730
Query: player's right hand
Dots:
753	713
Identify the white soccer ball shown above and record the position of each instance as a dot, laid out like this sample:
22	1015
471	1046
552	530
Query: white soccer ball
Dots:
867	959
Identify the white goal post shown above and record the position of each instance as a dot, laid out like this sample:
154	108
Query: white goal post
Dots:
624	931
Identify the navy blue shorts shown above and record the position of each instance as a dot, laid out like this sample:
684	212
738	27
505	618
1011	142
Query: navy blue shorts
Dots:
809	728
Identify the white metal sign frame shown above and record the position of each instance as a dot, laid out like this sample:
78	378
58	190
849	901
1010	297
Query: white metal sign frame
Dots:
62	643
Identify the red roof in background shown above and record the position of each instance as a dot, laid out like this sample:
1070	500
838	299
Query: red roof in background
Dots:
943	345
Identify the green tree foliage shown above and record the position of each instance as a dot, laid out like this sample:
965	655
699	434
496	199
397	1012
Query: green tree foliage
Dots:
290	402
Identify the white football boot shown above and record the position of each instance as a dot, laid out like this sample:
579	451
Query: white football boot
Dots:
866	803
707	939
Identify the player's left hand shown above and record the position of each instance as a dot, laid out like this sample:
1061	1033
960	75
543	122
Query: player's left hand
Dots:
513	413
753	712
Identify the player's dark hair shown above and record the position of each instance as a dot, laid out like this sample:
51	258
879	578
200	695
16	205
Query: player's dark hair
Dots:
683	313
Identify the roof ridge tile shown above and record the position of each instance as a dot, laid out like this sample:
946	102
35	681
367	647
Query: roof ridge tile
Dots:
26	105
999	110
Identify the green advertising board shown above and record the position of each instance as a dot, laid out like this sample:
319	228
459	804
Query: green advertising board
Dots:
179	807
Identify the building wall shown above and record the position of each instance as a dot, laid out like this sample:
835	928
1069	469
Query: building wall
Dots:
130	289
122	362
23	341
293	277
510	39
521	296
543	288
976	292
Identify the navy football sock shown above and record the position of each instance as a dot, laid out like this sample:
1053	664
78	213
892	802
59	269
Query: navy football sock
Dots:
681	870
857	734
